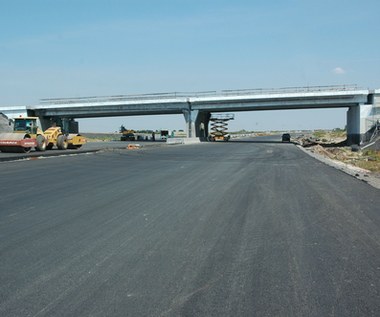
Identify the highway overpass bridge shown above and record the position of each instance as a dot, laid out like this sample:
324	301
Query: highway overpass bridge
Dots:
363	106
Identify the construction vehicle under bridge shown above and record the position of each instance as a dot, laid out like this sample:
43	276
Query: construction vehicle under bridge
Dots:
219	126
27	134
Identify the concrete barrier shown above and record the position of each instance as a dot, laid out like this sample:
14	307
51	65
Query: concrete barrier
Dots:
172	141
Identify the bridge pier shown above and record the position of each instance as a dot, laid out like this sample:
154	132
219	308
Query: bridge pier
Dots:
68	125
197	123
359	120
353	125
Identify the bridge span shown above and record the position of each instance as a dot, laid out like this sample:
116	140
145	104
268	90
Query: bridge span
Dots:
363	106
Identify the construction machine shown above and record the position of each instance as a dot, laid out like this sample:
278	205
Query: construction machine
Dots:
27	135
127	135
219	127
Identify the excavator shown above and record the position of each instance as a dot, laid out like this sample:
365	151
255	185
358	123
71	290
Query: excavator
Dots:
27	135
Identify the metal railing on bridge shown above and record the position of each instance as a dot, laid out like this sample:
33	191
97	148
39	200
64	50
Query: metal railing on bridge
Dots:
181	95
285	90
152	96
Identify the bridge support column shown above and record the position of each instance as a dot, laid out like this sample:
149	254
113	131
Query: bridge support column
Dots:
357	125
46	123
201	125
190	123
196	123
353	125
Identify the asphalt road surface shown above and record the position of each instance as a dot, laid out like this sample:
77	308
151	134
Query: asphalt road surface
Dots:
213	229
88	147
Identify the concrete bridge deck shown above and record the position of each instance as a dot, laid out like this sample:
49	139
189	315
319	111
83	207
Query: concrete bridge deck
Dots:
211	101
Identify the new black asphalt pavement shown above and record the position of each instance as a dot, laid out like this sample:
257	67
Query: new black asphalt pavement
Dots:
212	229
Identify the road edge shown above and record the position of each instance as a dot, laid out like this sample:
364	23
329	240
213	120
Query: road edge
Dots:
354	171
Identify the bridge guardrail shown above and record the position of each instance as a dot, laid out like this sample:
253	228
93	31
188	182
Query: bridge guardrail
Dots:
305	89
181	95
172	95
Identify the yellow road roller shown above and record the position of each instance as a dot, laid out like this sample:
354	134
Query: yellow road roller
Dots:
27	135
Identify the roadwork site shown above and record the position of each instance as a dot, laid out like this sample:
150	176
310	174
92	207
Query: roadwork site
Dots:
328	147
90	147
238	228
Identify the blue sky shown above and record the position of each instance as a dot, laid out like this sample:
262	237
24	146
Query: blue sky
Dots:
80	48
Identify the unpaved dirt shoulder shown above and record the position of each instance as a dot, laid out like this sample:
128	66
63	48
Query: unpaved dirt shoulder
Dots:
369	177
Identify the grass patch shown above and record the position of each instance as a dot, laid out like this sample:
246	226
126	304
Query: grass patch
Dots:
369	160
330	134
